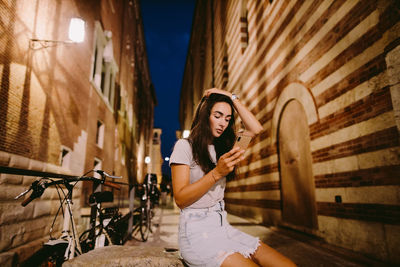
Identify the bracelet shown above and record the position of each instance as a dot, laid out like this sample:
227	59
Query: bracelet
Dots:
212	174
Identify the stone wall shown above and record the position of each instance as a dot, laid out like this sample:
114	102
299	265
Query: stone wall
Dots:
339	60
23	230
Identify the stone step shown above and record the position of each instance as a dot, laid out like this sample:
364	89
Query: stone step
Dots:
128	256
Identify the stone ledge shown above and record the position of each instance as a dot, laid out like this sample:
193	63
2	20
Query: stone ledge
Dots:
8	259
127	256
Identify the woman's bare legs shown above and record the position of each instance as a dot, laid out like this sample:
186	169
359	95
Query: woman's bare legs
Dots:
267	256
264	256
237	260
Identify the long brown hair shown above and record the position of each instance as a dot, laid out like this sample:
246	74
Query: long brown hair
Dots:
201	136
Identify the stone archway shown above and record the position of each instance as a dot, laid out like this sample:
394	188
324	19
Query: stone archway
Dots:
297	181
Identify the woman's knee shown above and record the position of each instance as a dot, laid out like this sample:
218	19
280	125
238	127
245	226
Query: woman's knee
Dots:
237	259
267	256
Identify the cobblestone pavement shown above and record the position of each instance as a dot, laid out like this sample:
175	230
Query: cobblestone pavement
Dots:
302	250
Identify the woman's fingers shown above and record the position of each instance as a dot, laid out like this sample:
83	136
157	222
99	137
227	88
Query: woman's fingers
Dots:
234	156
227	162
231	152
209	91
236	160
215	90
234	153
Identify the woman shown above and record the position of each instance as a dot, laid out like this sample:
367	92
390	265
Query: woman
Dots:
199	166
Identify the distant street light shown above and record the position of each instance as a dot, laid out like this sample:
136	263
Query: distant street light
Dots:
147	160
166	159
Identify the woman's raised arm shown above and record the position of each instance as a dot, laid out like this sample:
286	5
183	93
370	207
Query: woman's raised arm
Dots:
252	125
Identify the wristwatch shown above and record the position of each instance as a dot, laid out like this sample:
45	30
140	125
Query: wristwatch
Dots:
233	97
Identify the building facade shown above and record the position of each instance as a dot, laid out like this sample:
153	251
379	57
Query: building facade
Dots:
323	79
69	107
157	161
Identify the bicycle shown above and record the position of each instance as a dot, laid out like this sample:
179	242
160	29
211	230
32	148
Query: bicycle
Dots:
67	246
153	191
142	214
109	230
149	196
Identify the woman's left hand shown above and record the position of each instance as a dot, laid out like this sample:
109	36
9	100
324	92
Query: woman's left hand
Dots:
216	91
227	162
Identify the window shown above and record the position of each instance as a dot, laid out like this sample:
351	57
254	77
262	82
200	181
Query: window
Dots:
100	134
117	106
244	31
116	153
156	140
225	69
65	157
123	151
104	67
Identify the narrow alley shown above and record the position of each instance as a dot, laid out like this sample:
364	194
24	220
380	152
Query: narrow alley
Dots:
99	87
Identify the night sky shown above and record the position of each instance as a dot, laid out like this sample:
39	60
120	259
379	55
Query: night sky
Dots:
167	28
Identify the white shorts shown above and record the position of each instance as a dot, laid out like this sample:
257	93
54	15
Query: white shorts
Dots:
206	238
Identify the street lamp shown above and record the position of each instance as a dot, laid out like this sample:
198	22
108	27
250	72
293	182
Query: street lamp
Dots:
166	159
147	160
76	31
76	34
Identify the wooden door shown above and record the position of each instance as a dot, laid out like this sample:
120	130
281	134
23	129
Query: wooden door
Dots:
297	181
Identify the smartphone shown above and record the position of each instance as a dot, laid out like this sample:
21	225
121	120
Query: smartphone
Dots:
242	141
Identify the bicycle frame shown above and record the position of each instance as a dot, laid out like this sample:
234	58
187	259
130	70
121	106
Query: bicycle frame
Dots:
101	235
73	241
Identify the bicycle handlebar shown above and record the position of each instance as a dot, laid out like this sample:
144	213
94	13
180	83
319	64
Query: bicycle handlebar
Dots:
39	186
113	185
27	201
104	174
108	183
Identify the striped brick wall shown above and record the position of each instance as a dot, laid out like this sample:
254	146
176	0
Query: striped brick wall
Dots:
340	59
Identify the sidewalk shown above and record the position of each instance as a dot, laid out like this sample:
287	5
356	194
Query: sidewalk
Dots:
164	227
302	250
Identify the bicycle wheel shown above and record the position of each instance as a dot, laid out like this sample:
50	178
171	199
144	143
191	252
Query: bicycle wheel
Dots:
88	243
48	255
150	212
117	229
144	223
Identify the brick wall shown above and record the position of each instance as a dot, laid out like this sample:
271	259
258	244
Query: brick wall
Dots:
339	59
49	100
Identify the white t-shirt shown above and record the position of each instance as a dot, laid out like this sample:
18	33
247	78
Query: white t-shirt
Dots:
182	154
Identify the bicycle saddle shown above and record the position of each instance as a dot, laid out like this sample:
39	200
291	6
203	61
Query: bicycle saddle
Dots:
101	197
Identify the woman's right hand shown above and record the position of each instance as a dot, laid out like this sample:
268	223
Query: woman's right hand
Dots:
208	92
227	162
